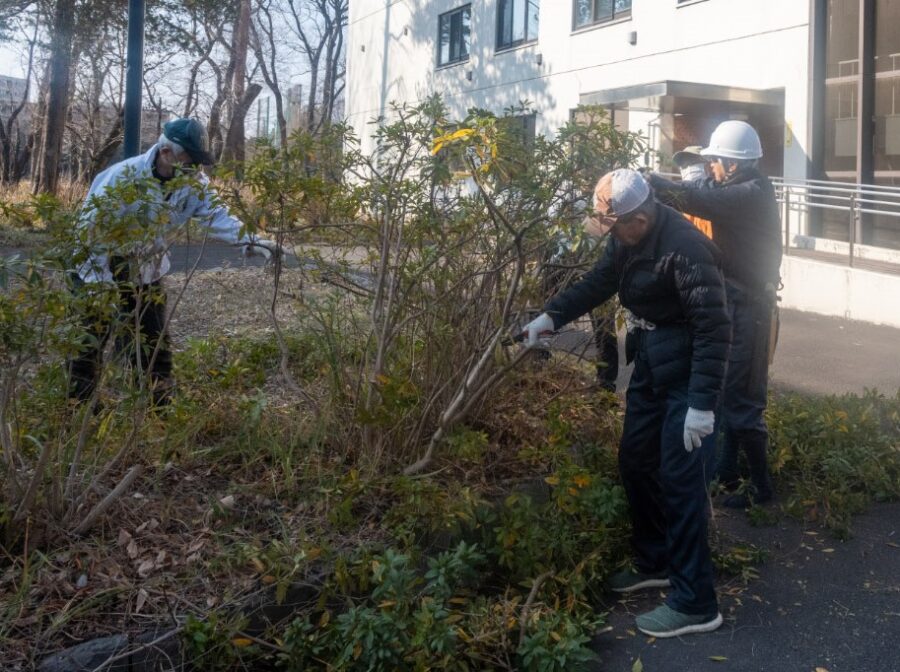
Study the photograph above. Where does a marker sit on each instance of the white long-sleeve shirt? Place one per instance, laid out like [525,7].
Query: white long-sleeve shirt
[167,211]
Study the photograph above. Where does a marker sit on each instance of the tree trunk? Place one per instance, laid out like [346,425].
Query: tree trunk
[237,123]
[38,122]
[235,140]
[108,147]
[313,88]
[223,94]
[57,97]
[23,156]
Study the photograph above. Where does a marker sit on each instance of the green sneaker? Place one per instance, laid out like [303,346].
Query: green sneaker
[629,580]
[666,622]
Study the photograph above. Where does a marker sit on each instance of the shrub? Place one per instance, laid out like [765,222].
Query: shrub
[835,455]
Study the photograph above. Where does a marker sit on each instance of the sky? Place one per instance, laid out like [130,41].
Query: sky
[12,57]
[10,62]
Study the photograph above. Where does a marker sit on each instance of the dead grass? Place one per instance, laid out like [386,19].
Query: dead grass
[69,192]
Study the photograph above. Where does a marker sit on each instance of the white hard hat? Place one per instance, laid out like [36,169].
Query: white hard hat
[734,140]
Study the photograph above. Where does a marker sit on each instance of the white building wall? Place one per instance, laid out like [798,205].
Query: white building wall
[760,45]
[840,291]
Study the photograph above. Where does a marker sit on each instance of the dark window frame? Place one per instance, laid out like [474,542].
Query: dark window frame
[462,9]
[512,44]
[615,16]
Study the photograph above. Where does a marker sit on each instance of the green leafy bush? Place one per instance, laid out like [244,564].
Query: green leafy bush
[836,455]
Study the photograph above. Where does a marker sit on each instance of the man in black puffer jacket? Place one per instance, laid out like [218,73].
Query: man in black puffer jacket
[740,203]
[667,275]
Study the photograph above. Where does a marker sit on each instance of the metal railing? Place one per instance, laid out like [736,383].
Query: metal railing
[858,202]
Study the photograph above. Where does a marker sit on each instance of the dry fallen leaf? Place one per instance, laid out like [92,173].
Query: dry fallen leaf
[718,659]
[241,642]
[140,601]
[638,666]
[821,669]
[145,568]
[227,502]
[124,537]
[133,550]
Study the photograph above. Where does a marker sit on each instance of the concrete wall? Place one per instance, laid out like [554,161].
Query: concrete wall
[760,45]
[827,289]
[869,252]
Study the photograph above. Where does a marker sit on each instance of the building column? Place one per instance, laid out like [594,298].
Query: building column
[815,141]
[865,135]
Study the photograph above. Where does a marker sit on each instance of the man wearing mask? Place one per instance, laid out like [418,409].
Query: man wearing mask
[693,168]
[740,203]
[666,273]
[134,264]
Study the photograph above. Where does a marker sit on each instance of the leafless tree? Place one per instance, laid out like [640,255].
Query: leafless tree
[265,45]
[14,140]
[57,100]
[319,26]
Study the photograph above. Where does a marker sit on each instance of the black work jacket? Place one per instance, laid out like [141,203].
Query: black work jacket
[745,222]
[673,279]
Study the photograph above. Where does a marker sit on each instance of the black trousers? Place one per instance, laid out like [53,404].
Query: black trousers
[746,381]
[666,490]
[603,321]
[138,327]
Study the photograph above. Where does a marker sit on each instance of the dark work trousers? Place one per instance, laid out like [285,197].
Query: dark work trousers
[143,306]
[746,380]
[666,490]
[603,321]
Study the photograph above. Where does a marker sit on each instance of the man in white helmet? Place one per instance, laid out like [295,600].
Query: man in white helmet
[740,203]
[667,274]
[125,240]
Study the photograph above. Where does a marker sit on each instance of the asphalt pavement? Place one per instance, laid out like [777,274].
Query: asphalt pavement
[815,355]
[818,604]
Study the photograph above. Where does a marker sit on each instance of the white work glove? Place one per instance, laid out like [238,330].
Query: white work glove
[542,324]
[697,424]
[268,249]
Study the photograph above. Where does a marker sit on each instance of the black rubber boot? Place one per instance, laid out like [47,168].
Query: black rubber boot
[761,491]
[727,471]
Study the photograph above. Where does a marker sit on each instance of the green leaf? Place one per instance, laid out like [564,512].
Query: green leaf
[638,666]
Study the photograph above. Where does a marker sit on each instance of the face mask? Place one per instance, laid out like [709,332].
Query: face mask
[694,172]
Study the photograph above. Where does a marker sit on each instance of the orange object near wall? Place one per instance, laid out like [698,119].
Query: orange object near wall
[703,224]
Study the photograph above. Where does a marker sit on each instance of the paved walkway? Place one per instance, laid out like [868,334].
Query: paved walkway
[818,603]
[815,355]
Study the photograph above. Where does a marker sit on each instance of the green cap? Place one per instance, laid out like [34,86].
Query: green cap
[191,135]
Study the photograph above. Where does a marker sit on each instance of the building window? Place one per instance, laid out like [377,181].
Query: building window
[517,22]
[841,87]
[589,12]
[454,33]
[522,129]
